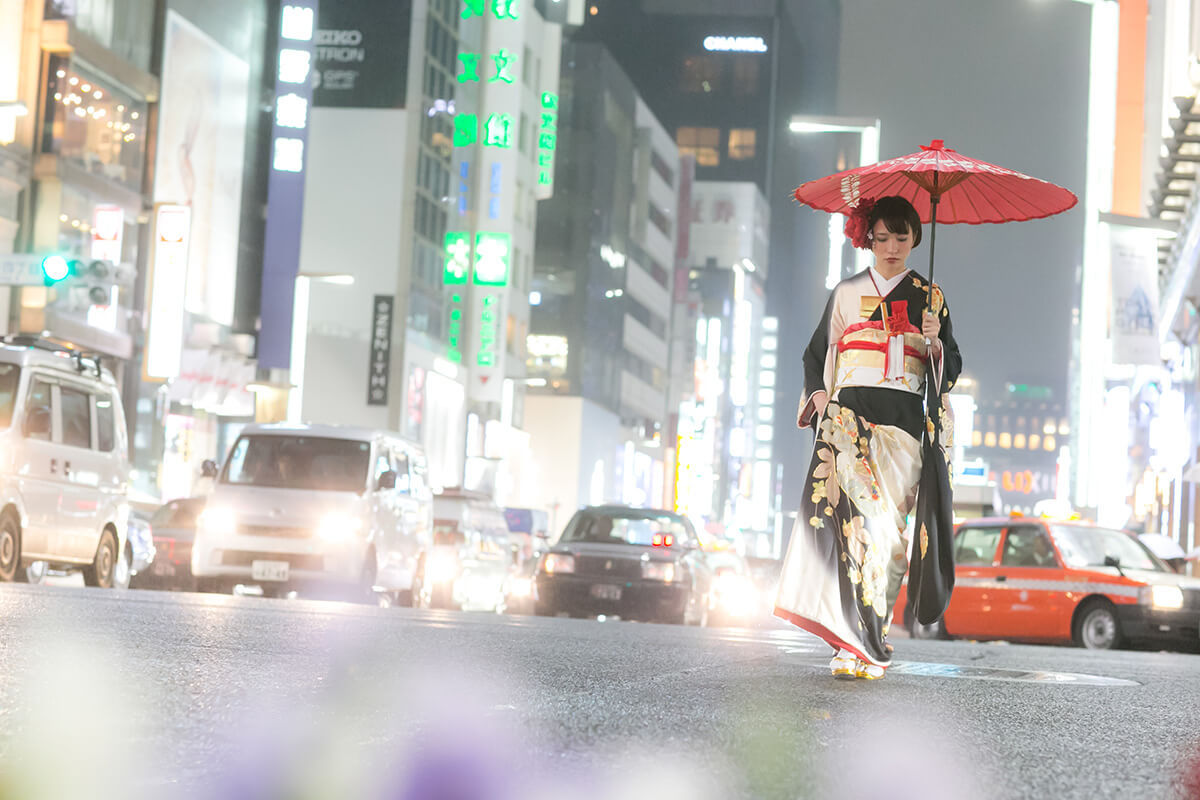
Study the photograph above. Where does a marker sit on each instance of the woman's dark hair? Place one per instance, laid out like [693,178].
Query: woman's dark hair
[898,215]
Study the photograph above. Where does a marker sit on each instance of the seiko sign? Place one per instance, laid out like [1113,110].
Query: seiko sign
[736,44]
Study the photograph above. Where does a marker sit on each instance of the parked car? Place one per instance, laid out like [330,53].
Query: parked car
[634,563]
[471,554]
[173,526]
[320,509]
[1037,580]
[64,469]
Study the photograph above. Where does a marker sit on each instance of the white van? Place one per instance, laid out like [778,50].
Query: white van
[64,465]
[316,507]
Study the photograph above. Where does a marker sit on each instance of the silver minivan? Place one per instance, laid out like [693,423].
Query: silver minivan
[64,465]
[316,508]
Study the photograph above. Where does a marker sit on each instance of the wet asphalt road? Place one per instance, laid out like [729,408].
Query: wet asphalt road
[148,694]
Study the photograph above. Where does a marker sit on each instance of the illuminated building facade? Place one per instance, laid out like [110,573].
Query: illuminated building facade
[426,162]
[606,260]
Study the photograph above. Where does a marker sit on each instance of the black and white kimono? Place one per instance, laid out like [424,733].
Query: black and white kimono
[876,445]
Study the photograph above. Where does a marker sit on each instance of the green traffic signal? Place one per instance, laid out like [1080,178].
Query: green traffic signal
[55,268]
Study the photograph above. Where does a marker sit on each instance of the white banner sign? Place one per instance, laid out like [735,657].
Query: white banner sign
[1134,322]
[168,290]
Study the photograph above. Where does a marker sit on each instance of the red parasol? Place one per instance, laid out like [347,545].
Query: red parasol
[944,186]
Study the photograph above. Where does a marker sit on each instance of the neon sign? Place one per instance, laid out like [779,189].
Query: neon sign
[735,44]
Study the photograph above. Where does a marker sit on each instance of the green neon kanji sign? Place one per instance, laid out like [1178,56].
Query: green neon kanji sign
[547,139]
[504,61]
[470,71]
[454,329]
[489,330]
[501,9]
[458,257]
[497,131]
[466,130]
[491,259]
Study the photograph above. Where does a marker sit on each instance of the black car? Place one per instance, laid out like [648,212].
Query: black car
[173,527]
[633,563]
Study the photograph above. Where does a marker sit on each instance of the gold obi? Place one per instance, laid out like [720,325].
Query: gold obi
[865,355]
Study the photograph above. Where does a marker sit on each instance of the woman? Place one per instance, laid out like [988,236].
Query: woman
[881,338]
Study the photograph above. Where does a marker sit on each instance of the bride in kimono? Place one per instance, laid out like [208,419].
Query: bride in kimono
[865,373]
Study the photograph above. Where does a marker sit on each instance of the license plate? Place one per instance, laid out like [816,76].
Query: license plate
[269,570]
[606,591]
[165,568]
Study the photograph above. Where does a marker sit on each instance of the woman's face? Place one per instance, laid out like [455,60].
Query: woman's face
[891,249]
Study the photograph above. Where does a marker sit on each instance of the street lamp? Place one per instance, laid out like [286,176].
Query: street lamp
[868,153]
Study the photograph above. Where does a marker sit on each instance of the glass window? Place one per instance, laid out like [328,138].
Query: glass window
[76,417]
[299,462]
[91,122]
[382,464]
[660,220]
[626,527]
[10,379]
[1028,547]
[39,405]
[742,143]
[745,75]
[105,422]
[701,74]
[703,143]
[976,546]
[400,465]
[659,165]
[1088,547]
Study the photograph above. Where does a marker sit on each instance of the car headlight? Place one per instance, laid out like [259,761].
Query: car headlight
[1163,596]
[217,520]
[555,563]
[441,566]
[337,526]
[734,592]
[658,570]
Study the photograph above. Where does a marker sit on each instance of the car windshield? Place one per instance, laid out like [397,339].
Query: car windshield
[10,378]
[1088,547]
[621,527]
[299,462]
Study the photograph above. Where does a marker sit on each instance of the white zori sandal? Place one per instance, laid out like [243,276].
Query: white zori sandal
[843,665]
[869,672]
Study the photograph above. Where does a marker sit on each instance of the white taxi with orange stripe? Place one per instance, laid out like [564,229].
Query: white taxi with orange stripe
[1038,580]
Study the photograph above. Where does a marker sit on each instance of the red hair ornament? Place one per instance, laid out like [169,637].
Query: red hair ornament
[856,224]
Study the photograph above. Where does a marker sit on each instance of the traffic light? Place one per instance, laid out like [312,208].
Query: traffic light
[57,268]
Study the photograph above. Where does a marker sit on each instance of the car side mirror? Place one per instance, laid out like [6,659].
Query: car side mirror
[209,468]
[37,422]
[387,480]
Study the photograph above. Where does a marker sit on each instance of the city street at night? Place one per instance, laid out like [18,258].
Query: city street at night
[556,399]
[186,695]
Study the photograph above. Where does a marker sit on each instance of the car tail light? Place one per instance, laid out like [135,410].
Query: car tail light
[662,540]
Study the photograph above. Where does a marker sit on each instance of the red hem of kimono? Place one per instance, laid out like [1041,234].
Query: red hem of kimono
[817,629]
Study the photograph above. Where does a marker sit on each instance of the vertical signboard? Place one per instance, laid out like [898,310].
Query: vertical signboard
[285,183]
[108,225]
[1134,297]
[381,349]
[546,144]
[168,287]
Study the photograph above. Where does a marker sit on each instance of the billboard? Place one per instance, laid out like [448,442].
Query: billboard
[200,158]
[361,49]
